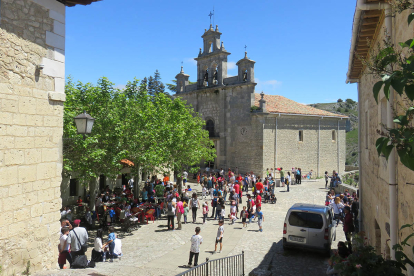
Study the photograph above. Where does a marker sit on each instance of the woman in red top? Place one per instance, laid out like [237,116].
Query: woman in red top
[259,186]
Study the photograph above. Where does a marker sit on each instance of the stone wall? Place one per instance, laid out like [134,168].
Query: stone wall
[304,154]
[247,140]
[31,125]
[374,169]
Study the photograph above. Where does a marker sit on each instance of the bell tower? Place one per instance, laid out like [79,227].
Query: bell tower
[211,60]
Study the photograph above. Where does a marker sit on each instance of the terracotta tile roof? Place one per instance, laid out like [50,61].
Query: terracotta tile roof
[280,104]
[71,3]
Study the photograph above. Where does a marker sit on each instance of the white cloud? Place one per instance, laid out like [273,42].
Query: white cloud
[231,65]
[120,86]
[267,85]
[190,60]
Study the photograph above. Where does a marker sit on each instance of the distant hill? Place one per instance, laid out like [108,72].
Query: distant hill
[348,108]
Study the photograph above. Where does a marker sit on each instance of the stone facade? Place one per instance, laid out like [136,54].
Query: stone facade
[374,169]
[31,125]
[247,139]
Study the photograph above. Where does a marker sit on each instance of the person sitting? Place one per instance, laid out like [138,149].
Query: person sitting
[273,198]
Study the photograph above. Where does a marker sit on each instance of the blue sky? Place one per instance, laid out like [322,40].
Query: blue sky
[301,48]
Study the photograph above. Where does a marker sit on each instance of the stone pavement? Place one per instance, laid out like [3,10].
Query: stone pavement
[152,250]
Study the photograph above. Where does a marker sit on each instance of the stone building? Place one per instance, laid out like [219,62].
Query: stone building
[32,83]
[386,188]
[256,131]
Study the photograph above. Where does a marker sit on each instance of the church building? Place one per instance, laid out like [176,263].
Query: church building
[254,131]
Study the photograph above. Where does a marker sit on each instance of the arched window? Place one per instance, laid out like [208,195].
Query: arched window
[210,128]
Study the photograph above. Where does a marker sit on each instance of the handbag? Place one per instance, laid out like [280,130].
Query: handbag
[84,247]
[81,261]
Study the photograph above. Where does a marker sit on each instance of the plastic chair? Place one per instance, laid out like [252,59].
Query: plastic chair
[150,215]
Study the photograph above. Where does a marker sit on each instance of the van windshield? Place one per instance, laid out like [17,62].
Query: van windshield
[308,220]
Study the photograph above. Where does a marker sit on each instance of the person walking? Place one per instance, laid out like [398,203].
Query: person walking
[288,178]
[282,177]
[196,241]
[219,238]
[348,226]
[180,212]
[326,179]
[171,213]
[260,218]
[194,205]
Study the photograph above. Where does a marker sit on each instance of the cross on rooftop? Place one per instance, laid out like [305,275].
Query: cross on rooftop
[211,14]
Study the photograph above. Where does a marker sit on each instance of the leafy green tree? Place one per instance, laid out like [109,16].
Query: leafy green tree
[151,131]
[395,66]
[101,151]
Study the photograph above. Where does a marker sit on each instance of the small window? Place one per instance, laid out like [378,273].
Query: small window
[333,135]
[73,187]
[297,219]
[300,135]
[314,221]
[308,220]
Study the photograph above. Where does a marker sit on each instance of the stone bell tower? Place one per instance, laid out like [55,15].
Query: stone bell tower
[211,60]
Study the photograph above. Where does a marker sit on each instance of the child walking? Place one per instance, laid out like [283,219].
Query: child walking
[63,248]
[260,218]
[186,209]
[205,212]
[204,192]
[243,215]
[196,240]
[219,239]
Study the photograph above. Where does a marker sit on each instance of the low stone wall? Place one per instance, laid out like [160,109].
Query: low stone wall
[351,168]
[342,187]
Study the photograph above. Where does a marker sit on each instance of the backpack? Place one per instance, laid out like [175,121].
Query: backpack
[194,202]
[169,206]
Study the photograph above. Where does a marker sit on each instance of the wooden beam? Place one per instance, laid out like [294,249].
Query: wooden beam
[373,13]
[370,21]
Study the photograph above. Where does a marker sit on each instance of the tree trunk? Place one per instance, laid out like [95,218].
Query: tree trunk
[179,184]
[137,183]
[93,185]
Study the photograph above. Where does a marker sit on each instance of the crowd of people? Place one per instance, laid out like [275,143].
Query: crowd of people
[220,198]
[345,208]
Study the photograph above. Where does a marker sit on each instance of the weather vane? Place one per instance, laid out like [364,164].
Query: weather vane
[245,48]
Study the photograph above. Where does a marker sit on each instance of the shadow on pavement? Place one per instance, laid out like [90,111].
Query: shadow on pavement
[290,262]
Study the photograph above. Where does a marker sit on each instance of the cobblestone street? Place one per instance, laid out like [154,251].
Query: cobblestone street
[152,250]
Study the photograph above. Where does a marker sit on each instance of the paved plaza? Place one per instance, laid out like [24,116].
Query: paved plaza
[152,250]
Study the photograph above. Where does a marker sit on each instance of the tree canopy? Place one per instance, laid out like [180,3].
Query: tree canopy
[152,131]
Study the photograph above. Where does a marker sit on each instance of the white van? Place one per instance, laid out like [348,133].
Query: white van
[309,226]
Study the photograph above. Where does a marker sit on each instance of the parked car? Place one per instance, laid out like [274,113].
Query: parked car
[309,226]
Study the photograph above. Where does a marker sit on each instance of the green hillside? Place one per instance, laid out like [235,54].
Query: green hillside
[348,108]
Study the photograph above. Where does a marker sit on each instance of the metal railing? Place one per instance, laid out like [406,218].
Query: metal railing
[227,266]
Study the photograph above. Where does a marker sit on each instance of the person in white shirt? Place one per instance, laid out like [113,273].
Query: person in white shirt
[196,240]
[97,252]
[64,248]
[118,248]
[131,183]
[204,192]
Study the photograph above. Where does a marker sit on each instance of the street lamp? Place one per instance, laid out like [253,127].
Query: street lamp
[84,123]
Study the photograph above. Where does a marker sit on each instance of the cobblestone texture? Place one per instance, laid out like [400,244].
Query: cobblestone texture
[152,250]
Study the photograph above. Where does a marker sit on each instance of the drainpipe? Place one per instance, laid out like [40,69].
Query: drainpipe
[392,183]
[359,161]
